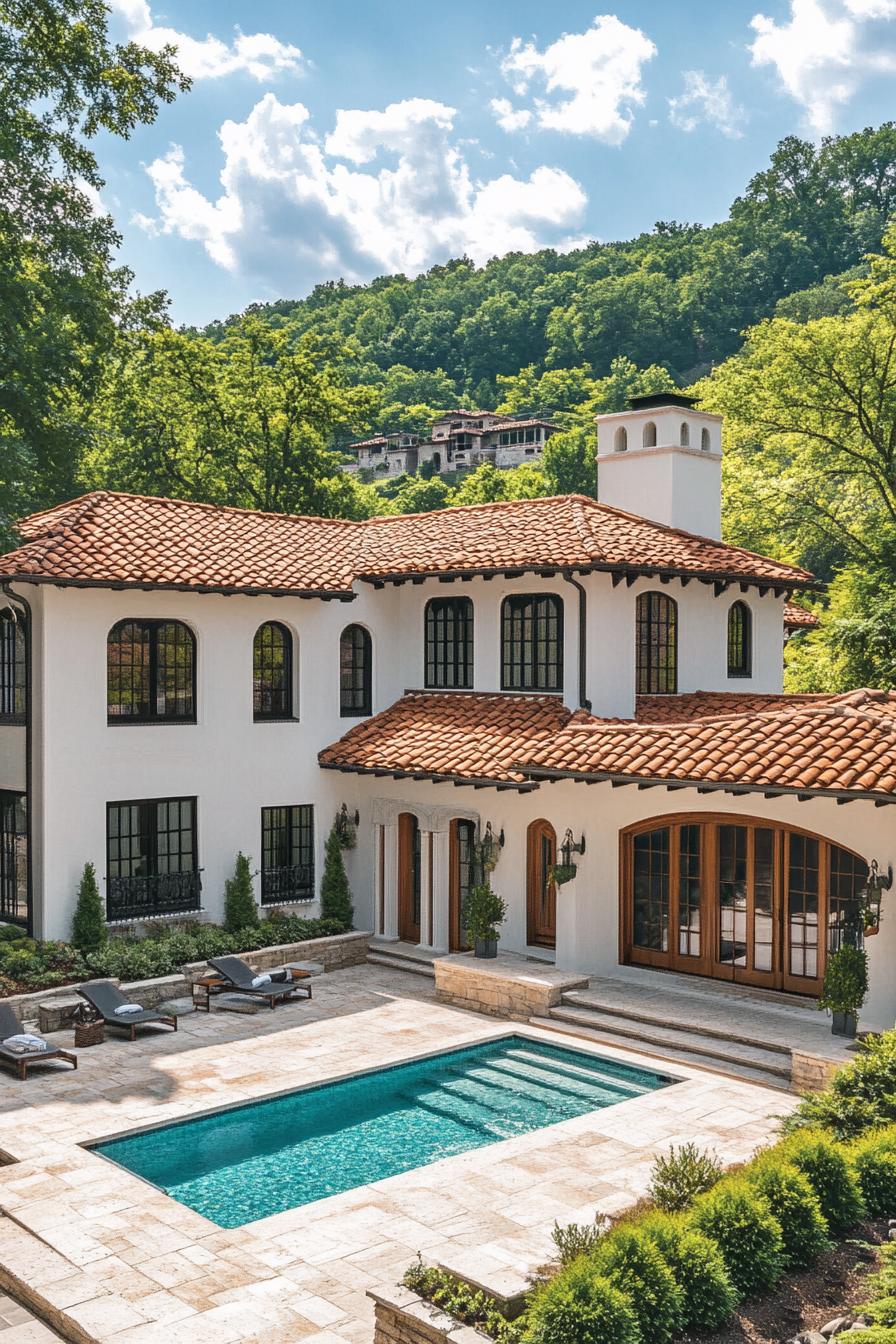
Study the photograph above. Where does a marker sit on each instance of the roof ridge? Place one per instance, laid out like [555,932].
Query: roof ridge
[496,504]
[97,496]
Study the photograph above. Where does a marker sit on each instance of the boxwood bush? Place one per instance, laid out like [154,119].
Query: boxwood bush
[829,1173]
[861,1095]
[794,1203]
[738,1219]
[874,1160]
[580,1306]
[635,1264]
[708,1296]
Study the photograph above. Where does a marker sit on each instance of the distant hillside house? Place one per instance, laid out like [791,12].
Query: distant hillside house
[459,441]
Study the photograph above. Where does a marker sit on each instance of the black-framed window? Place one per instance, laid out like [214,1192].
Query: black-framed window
[532,642]
[355,672]
[152,865]
[287,854]
[656,651]
[449,643]
[12,668]
[13,857]
[272,672]
[151,672]
[740,640]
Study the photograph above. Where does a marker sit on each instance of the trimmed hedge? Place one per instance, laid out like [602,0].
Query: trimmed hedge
[634,1263]
[829,1173]
[579,1306]
[737,1218]
[794,1203]
[708,1295]
[874,1160]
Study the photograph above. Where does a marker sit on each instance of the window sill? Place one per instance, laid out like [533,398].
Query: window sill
[275,718]
[355,713]
[151,723]
[282,905]
[12,720]
[740,676]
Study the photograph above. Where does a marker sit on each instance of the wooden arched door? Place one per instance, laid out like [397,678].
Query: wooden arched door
[541,893]
[409,885]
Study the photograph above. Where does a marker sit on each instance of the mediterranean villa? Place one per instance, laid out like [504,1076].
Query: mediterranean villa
[594,684]
[460,441]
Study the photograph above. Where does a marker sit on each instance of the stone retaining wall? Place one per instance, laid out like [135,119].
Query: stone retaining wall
[404,1318]
[811,1073]
[507,986]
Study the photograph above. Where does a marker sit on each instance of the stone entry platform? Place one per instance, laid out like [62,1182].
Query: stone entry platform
[507,986]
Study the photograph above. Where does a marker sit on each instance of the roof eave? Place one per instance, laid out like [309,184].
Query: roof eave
[225,590]
[708,785]
[432,776]
[779,585]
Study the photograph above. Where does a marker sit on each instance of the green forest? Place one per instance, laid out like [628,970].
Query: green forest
[782,317]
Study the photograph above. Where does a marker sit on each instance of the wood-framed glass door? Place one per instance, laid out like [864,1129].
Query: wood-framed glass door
[409,878]
[667,907]
[748,904]
[460,880]
[541,892]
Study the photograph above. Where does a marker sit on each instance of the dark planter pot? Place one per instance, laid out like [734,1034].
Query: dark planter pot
[844,1024]
[485,947]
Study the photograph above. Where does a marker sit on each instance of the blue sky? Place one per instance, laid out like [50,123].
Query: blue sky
[355,139]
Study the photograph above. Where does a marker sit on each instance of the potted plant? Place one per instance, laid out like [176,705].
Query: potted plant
[485,911]
[844,989]
[562,873]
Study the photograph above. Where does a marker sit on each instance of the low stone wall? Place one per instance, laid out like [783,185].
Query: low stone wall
[507,986]
[334,954]
[811,1073]
[404,1318]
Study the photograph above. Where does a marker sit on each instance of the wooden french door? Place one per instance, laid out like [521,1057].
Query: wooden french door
[460,881]
[541,893]
[409,873]
[735,899]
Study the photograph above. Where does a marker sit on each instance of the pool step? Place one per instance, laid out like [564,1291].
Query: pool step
[401,957]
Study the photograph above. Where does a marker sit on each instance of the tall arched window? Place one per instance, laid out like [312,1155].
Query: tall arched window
[12,668]
[704,439]
[620,440]
[449,643]
[355,672]
[656,647]
[740,640]
[532,642]
[684,434]
[151,672]
[272,672]
[648,438]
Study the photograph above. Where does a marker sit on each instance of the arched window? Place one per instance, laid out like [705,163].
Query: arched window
[704,439]
[740,640]
[656,649]
[532,642]
[151,672]
[272,672]
[355,672]
[620,440]
[12,668]
[449,643]
[684,435]
[649,436]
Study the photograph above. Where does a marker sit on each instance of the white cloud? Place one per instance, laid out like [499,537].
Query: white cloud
[825,51]
[591,80]
[385,191]
[259,54]
[706,101]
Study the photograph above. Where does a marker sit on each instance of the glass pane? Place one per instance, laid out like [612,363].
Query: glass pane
[651,890]
[849,874]
[689,872]
[802,905]
[733,895]
[763,899]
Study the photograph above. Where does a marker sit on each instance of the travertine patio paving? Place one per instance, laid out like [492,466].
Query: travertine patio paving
[122,1261]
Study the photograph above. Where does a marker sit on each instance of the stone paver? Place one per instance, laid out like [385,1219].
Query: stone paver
[123,1262]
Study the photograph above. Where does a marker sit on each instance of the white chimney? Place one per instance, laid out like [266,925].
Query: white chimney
[662,459]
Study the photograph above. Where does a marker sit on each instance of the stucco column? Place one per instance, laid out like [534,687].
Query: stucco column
[390,880]
[440,896]
[426,888]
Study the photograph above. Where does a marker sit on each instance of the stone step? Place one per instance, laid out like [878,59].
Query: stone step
[592,1001]
[398,962]
[678,1043]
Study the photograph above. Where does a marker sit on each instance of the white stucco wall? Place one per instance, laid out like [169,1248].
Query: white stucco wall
[12,757]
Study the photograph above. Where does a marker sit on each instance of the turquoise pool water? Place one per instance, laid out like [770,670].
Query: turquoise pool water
[250,1162]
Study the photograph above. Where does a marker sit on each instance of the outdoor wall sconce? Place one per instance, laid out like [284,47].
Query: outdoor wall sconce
[346,827]
[345,815]
[489,849]
[570,847]
[876,885]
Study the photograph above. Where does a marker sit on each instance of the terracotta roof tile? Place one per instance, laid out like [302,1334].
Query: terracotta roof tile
[798,618]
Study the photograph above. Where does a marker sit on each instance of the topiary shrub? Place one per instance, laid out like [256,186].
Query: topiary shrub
[795,1204]
[680,1177]
[335,896]
[736,1217]
[240,910]
[831,1177]
[874,1160]
[861,1095]
[89,923]
[634,1263]
[579,1306]
[698,1268]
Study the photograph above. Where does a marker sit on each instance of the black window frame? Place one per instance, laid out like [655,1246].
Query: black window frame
[13,668]
[522,669]
[740,640]
[149,638]
[656,659]
[161,890]
[13,857]
[448,644]
[290,825]
[279,699]
[356,698]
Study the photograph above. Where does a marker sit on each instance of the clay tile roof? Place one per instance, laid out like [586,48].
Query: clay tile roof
[798,618]
[458,735]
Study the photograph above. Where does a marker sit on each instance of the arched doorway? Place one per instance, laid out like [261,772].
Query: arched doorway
[460,880]
[409,878]
[541,893]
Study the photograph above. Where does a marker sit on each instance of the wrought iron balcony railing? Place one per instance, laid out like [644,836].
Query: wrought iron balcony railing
[161,894]
[279,886]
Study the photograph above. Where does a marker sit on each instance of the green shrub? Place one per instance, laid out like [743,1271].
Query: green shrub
[634,1263]
[845,980]
[874,1159]
[240,910]
[698,1268]
[861,1095]
[883,1283]
[10,933]
[737,1218]
[875,1334]
[830,1175]
[89,923]
[678,1179]
[796,1206]
[575,1239]
[882,1311]
[579,1306]
[335,896]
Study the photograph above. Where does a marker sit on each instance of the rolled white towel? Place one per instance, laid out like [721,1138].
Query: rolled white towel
[259,980]
[125,1008]
[26,1039]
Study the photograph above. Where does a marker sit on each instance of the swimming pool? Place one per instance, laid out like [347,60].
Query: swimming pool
[251,1161]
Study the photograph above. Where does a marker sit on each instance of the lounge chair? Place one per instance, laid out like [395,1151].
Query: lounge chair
[11,1026]
[238,976]
[105,998]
